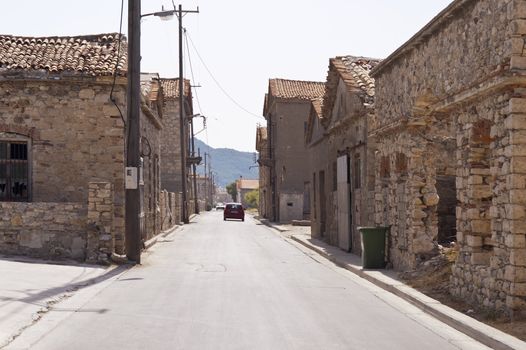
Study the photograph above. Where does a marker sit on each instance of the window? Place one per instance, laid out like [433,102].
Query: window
[14,171]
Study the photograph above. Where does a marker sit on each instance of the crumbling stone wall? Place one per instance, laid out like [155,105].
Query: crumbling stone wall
[465,68]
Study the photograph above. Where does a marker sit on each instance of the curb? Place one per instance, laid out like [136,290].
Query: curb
[269,224]
[149,243]
[479,331]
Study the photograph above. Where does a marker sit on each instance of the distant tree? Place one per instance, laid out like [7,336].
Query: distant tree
[231,189]
[252,198]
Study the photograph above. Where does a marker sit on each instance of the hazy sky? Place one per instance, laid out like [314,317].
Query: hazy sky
[243,44]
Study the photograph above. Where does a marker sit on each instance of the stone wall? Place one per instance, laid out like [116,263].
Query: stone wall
[80,231]
[347,136]
[100,242]
[151,129]
[45,230]
[441,86]
[171,148]
[170,209]
[75,134]
[470,47]
[406,195]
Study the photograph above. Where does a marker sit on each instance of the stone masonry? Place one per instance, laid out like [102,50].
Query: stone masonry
[100,242]
[45,229]
[451,104]
[55,98]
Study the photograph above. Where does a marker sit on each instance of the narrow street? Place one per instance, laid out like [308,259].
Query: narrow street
[239,285]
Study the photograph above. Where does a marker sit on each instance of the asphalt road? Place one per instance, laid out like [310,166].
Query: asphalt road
[238,285]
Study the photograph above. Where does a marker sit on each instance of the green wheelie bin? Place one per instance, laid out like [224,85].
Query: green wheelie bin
[373,246]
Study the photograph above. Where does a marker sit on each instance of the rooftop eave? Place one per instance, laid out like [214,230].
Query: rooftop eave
[422,35]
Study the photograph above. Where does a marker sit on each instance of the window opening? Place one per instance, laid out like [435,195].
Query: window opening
[14,171]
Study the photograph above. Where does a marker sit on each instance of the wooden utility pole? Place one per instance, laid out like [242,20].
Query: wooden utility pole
[132,137]
[182,115]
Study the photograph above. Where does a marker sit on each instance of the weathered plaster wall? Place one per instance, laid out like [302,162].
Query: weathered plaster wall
[289,153]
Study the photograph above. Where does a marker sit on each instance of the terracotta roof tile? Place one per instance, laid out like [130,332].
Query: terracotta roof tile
[171,88]
[296,89]
[355,72]
[94,55]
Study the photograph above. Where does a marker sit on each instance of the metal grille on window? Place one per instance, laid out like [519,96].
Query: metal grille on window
[14,171]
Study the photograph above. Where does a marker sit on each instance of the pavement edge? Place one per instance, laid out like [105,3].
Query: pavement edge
[479,331]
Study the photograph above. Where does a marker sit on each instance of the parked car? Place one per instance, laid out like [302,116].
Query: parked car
[220,206]
[234,211]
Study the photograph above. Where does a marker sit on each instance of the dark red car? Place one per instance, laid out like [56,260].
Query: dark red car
[234,211]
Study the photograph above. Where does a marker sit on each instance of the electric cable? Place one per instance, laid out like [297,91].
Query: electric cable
[112,98]
[219,84]
[191,69]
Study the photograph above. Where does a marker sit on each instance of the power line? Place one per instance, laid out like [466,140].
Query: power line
[191,69]
[112,98]
[205,126]
[218,84]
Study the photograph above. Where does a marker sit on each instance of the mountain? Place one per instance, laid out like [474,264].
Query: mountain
[228,164]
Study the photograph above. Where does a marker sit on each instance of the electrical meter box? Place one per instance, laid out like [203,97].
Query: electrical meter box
[131,178]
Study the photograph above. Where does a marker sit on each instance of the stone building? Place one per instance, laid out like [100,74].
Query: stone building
[286,109]
[347,115]
[451,106]
[315,185]
[151,129]
[171,145]
[205,192]
[62,146]
[264,208]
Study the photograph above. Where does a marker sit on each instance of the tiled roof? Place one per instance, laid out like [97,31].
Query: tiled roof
[296,89]
[94,55]
[355,72]
[171,88]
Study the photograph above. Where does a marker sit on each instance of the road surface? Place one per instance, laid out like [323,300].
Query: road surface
[238,285]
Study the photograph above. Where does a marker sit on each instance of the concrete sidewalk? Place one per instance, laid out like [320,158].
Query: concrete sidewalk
[29,287]
[388,280]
